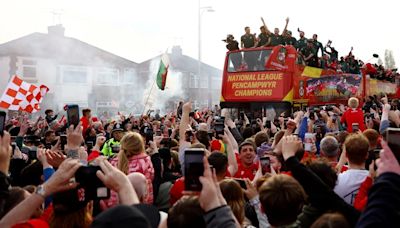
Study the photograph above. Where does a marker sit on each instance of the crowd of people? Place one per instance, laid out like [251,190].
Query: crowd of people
[311,52]
[327,166]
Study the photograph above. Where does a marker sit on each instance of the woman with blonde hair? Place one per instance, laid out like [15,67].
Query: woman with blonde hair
[133,158]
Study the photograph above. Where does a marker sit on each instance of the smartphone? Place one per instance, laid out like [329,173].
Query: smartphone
[73,115]
[63,141]
[219,129]
[376,153]
[265,165]
[241,182]
[89,146]
[158,133]
[32,153]
[94,188]
[392,137]
[194,168]
[268,124]
[13,145]
[242,115]
[2,122]
[355,127]
[149,135]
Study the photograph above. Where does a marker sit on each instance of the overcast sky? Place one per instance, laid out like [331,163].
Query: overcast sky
[139,30]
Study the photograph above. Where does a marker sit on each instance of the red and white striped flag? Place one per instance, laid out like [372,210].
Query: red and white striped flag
[22,96]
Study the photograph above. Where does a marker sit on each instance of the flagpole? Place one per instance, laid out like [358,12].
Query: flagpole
[147,100]
[151,89]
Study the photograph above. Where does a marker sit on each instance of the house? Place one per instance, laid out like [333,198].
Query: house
[76,72]
[200,82]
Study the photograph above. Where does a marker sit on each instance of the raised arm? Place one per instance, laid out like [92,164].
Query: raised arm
[58,182]
[265,26]
[232,163]
[285,29]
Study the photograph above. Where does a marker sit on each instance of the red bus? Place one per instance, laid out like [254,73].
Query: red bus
[264,78]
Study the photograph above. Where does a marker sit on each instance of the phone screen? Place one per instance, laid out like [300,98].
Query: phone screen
[2,122]
[265,165]
[89,145]
[393,140]
[355,127]
[268,124]
[73,115]
[63,141]
[194,168]
[94,188]
[13,145]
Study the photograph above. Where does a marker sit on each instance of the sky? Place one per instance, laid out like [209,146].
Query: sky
[140,30]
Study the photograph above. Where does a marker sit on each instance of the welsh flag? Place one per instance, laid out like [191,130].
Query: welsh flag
[163,71]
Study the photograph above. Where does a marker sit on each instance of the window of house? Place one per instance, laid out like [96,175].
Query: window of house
[216,83]
[204,82]
[29,69]
[204,104]
[195,104]
[107,76]
[194,81]
[129,76]
[72,74]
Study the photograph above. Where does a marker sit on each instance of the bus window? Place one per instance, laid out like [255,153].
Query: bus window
[248,60]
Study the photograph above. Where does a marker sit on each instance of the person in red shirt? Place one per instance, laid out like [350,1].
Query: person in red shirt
[247,168]
[86,120]
[353,115]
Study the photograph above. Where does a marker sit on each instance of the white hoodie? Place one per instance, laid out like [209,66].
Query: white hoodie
[348,184]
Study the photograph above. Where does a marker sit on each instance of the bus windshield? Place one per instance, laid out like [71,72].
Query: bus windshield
[248,60]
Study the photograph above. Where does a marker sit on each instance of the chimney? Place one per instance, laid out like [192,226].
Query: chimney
[176,51]
[56,30]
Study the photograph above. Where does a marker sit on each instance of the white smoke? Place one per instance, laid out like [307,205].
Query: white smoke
[153,97]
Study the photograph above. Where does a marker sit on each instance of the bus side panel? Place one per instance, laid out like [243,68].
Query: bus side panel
[260,86]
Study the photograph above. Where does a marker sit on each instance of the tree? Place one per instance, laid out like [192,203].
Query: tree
[389,59]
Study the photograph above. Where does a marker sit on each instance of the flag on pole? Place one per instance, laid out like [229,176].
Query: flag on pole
[163,71]
[22,96]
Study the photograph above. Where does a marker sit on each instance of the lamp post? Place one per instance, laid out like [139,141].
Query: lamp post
[201,10]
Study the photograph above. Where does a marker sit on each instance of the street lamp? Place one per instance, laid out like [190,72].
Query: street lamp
[201,10]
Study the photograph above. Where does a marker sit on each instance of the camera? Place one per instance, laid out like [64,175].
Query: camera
[328,108]
[94,187]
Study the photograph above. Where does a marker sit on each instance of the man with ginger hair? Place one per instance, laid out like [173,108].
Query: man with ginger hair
[349,182]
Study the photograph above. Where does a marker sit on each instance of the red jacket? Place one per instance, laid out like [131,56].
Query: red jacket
[353,116]
[362,196]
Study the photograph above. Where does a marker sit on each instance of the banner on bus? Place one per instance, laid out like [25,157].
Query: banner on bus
[334,86]
[255,86]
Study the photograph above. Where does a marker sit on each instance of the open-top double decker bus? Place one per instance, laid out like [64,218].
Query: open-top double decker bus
[258,79]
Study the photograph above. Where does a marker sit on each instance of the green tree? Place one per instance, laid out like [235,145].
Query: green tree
[389,59]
